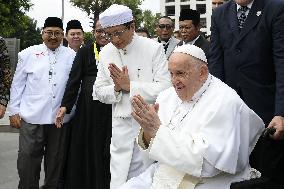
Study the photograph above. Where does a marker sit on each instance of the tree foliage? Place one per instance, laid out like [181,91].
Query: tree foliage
[142,18]
[89,38]
[15,23]
[94,7]
[149,21]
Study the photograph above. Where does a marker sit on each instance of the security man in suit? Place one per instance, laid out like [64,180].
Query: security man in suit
[164,31]
[247,52]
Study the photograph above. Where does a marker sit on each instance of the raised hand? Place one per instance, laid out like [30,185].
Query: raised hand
[146,115]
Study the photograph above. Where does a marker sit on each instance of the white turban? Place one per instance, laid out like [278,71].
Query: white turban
[192,50]
[115,15]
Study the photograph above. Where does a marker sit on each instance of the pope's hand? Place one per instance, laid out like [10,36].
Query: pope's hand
[60,116]
[15,121]
[2,111]
[146,115]
[278,123]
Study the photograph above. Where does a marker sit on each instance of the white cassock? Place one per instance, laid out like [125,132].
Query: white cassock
[148,73]
[36,94]
[201,144]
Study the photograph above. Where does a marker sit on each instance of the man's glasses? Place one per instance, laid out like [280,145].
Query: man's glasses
[99,31]
[117,34]
[51,34]
[167,26]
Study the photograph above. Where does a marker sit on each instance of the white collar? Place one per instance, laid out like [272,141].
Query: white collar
[191,42]
[197,95]
[52,51]
[128,47]
[249,5]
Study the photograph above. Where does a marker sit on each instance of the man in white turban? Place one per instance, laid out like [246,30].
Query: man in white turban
[129,65]
[199,133]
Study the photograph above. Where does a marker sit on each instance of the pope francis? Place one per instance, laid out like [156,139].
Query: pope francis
[199,133]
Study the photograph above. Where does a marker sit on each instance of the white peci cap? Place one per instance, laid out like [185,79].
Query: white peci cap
[115,15]
[192,50]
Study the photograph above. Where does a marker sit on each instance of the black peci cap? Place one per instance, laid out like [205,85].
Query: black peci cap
[74,24]
[53,22]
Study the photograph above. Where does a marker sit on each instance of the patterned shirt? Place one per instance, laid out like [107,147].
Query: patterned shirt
[5,73]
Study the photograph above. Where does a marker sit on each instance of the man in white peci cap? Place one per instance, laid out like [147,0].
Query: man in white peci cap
[128,66]
[199,133]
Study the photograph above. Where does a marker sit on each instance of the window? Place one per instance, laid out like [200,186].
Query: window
[170,10]
[184,7]
[203,22]
[201,8]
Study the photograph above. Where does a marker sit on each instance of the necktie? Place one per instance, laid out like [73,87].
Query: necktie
[242,18]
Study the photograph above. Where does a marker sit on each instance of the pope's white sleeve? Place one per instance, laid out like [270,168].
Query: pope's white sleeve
[179,150]
[17,87]
[161,78]
[103,89]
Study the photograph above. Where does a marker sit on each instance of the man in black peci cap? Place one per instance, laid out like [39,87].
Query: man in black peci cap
[36,92]
[74,34]
[189,27]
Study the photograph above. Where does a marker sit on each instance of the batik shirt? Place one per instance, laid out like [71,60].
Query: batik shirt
[5,73]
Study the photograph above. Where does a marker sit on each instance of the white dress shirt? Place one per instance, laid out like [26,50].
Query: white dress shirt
[39,83]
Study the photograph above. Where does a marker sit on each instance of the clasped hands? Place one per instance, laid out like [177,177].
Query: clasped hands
[120,77]
[147,116]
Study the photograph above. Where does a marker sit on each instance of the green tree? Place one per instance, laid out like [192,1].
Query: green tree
[89,38]
[12,12]
[94,7]
[28,33]
[149,21]
[15,23]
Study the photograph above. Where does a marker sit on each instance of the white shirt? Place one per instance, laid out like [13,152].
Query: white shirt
[39,83]
[147,69]
[247,12]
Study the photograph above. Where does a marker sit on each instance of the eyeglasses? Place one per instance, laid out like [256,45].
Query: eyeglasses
[55,34]
[117,34]
[181,27]
[99,31]
[167,26]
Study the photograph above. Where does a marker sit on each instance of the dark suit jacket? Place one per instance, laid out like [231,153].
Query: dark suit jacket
[202,43]
[251,61]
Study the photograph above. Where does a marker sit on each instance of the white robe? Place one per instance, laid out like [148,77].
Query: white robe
[211,145]
[33,96]
[148,73]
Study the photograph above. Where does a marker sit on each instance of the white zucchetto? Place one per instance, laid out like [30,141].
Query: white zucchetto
[193,51]
[115,15]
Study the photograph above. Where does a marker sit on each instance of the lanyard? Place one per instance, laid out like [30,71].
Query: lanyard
[96,52]
[52,65]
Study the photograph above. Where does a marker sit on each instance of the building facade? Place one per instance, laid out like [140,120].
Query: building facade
[172,9]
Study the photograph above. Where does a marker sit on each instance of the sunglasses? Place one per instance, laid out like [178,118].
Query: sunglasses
[163,26]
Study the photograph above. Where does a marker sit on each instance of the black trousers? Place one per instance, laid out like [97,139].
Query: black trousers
[35,143]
